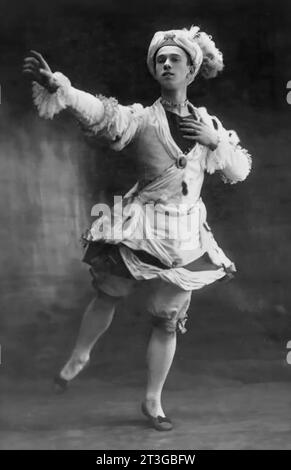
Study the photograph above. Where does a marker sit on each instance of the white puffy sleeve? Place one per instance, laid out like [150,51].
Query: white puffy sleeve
[233,161]
[98,116]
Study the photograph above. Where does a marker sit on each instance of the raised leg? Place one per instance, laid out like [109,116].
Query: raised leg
[96,320]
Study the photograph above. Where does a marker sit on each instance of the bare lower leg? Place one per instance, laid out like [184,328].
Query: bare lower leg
[97,318]
[160,354]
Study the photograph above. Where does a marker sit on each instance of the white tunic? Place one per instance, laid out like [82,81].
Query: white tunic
[158,218]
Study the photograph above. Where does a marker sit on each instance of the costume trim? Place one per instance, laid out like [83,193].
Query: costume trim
[232,180]
[49,104]
[107,124]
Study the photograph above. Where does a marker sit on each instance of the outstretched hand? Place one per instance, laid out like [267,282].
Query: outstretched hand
[200,132]
[40,71]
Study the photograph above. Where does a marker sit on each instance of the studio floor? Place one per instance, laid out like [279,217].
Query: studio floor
[94,414]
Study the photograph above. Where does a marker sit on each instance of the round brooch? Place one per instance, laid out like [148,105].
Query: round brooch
[181,162]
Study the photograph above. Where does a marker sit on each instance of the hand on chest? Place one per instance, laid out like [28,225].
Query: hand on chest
[175,123]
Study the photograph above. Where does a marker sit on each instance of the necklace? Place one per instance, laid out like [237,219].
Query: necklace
[178,106]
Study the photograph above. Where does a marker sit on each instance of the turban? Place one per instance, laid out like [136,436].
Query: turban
[204,55]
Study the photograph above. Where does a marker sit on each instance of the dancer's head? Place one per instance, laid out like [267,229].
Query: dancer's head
[184,53]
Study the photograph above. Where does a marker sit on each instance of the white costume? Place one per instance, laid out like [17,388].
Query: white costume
[146,133]
[158,236]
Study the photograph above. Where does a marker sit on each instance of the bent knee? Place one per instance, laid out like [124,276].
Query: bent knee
[166,325]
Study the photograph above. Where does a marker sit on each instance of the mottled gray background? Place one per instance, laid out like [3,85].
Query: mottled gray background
[50,178]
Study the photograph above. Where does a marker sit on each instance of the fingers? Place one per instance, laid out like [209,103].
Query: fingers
[189,131]
[190,137]
[31,61]
[189,119]
[44,64]
[190,125]
[45,73]
[37,67]
[31,66]
[29,70]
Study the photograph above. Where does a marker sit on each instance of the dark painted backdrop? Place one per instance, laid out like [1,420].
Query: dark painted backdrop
[50,177]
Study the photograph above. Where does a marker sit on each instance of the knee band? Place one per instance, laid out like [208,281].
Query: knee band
[165,324]
[170,326]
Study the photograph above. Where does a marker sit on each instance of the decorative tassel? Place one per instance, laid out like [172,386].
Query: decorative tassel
[184,188]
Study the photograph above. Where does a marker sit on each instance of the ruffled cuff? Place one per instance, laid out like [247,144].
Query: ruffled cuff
[242,170]
[107,126]
[233,161]
[49,104]
[217,159]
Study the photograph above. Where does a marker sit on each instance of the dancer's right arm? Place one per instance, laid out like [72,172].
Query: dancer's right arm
[52,92]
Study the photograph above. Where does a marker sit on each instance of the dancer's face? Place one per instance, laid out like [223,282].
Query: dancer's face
[172,67]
